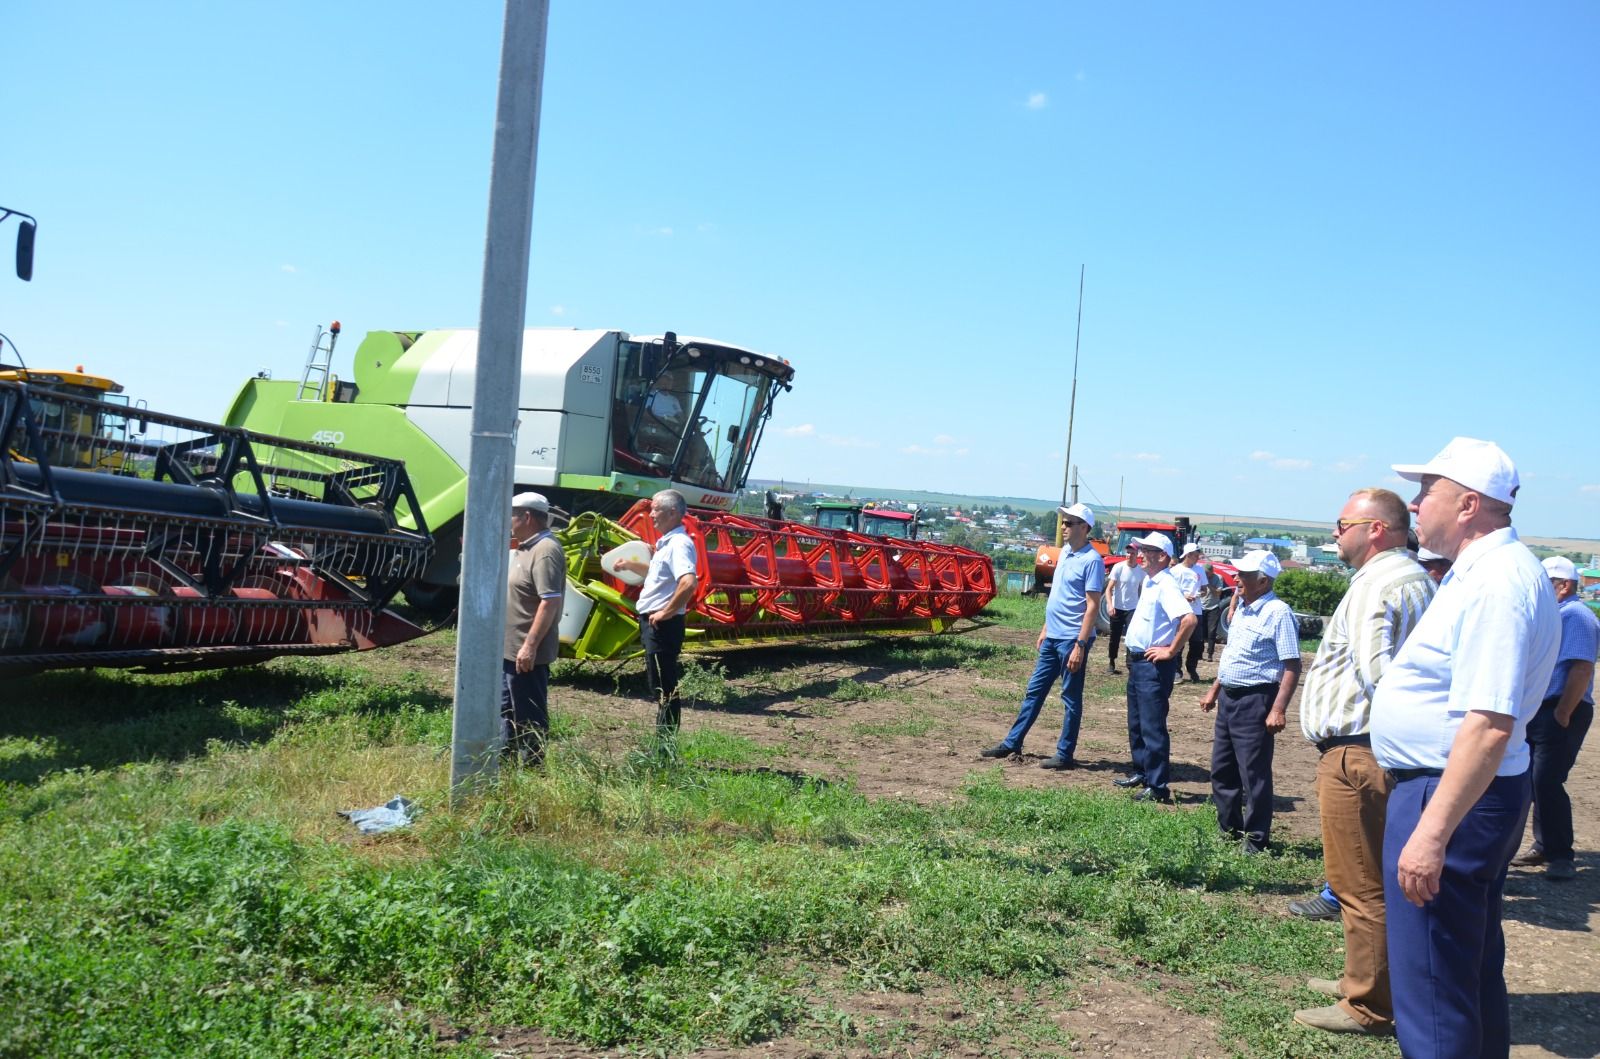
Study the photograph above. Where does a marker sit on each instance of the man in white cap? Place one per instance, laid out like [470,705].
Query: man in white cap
[1256,678]
[1191,577]
[1064,641]
[1161,623]
[1448,722]
[535,593]
[1555,735]
[1388,594]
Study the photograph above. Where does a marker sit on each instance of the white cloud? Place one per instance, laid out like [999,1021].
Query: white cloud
[287,268]
[961,452]
[558,310]
[944,439]
[1280,463]
[1589,488]
[1166,472]
[1080,76]
[804,430]
[280,323]
[1143,457]
[1038,101]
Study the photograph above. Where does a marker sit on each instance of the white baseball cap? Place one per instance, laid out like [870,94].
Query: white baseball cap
[1156,540]
[530,502]
[1425,556]
[1559,566]
[1481,466]
[1258,562]
[1079,511]
[1190,548]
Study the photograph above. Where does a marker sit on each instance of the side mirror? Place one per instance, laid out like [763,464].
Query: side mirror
[733,434]
[25,235]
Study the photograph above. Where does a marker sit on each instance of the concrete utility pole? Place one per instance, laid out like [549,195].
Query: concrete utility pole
[485,556]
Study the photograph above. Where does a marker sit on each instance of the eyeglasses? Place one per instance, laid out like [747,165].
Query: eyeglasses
[1074,522]
[1345,523]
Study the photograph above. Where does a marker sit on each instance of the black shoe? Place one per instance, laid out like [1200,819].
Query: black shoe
[1058,763]
[1317,907]
[1132,779]
[1114,669]
[1153,794]
[1194,678]
[1531,859]
[998,750]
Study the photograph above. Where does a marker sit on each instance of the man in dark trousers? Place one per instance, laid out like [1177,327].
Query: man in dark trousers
[1162,622]
[1256,678]
[537,586]
[1449,722]
[669,584]
[1555,735]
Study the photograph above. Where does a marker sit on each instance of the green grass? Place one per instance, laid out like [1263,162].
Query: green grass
[193,892]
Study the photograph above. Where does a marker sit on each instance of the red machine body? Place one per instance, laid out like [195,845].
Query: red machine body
[764,576]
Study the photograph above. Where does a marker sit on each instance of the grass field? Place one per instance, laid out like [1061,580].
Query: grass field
[176,881]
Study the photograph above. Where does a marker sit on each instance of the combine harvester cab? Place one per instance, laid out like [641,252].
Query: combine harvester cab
[763,581]
[605,418]
[129,538]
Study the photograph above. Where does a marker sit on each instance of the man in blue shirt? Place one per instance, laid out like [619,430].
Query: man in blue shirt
[1556,732]
[1256,678]
[1069,626]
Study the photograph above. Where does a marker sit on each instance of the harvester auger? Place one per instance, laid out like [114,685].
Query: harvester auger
[129,538]
[763,581]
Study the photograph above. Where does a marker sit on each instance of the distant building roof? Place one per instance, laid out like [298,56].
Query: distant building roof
[1272,542]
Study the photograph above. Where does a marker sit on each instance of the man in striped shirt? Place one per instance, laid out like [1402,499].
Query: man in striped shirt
[1386,597]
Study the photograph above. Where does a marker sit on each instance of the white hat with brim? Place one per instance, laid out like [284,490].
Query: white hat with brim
[1481,466]
[1258,562]
[1189,549]
[1561,568]
[1082,511]
[1425,556]
[530,502]
[1159,541]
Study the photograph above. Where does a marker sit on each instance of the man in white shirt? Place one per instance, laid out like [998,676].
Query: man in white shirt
[1161,623]
[669,586]
[1449,722]
[1192,580]
[1123,585]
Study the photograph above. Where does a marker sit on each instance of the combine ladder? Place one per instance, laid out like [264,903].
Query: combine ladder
[319,364]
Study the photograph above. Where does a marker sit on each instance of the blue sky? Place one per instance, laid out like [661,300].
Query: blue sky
[1319,240]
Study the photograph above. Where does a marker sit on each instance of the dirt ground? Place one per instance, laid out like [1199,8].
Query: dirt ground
[788,699]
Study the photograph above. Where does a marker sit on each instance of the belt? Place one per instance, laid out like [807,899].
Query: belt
[1325,745]
[1401,775]
[1249,688]
[1136,656]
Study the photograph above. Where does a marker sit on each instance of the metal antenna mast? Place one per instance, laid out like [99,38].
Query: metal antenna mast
[1072,409]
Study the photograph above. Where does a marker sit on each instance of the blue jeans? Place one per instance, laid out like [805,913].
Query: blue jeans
[1447,958]
[1149,694]
[1052,663]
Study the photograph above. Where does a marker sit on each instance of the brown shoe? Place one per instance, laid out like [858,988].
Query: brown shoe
[1333,987]
[1531,859]
[1335,1019]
